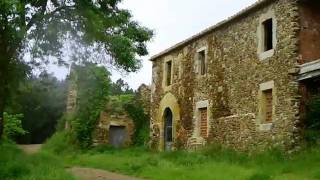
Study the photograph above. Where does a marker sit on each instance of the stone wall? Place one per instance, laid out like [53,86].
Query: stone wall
[144,95]
[101,133]
[231,84]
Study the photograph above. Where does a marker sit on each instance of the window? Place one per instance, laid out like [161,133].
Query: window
[267,105]
[203,122]
[168,73]
[202,62]
[268,34]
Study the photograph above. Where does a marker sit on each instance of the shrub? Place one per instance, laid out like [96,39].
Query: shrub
[13,125]
[92,85]
[141,122]
[260,176]
[60,143]
[312,124]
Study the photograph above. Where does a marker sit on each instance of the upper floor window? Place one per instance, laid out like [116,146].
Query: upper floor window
[268,34]
[168,69]
[202,62]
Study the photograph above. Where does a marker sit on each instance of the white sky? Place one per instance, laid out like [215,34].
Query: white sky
[172,21]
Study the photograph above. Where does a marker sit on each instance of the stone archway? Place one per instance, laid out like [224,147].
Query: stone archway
[168,102]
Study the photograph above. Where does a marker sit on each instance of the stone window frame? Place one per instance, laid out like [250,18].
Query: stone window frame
[164,81]
[201,105]
[263,125]
[262,54]
[198,66]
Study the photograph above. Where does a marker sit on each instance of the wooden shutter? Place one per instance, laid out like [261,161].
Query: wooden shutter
[203,122]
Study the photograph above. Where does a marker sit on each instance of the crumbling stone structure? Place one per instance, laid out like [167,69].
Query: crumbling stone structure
[114,126]
[144,95]
[240,83]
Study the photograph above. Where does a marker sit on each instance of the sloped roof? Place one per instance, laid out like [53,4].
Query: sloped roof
[249,9]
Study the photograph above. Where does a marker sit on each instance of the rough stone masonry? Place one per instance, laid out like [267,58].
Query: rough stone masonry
[238,83]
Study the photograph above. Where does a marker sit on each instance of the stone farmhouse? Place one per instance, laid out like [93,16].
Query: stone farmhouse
[242,83]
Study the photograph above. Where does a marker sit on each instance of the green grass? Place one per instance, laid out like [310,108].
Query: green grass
[212,163]
[14,164]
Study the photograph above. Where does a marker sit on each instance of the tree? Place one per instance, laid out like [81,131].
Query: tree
[120,87]
[42,101]
[47,30]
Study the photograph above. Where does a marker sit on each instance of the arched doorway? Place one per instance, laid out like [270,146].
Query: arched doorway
[168,129]
[168,117]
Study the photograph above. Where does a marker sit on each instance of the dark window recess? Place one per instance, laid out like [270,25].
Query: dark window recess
[202,62]
[268,35]
[168,126]
[168,78]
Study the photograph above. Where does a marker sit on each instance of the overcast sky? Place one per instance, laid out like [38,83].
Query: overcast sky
[172,21]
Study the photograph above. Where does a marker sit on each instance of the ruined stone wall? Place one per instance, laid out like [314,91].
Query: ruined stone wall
[231,84]
[107,119]
[144,95]
[310,31]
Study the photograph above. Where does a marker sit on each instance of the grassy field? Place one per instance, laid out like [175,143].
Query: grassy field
[213,163]
[14,164]
[210,163]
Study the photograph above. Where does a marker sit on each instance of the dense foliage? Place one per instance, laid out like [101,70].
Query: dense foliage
[42,101]
[53,31]
[312,124]
[13,126]
[141,122]
[92,85]
[120,87]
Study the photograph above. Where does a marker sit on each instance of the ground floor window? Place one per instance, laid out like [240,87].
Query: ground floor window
[203,122]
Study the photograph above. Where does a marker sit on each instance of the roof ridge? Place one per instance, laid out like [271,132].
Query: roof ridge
[211,28]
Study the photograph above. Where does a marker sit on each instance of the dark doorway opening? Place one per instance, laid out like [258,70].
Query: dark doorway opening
[310,109]
[117,136]
[168,130]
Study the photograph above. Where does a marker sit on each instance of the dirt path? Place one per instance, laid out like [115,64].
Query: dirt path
[96,174]
[30,148]
[81,173]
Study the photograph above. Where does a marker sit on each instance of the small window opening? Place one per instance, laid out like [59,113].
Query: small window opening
[169,71]
[202,62]
[267,95]
[268,35]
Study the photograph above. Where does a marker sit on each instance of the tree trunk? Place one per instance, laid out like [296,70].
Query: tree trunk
[1,117]
[3,89]
[4,68]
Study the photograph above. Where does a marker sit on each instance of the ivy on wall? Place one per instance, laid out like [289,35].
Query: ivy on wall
[93,84]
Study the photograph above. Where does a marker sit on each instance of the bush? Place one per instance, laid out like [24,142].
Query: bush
[60,143]
[141,122]
[92,85]
[260,176]
[312,124]
[13,125]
